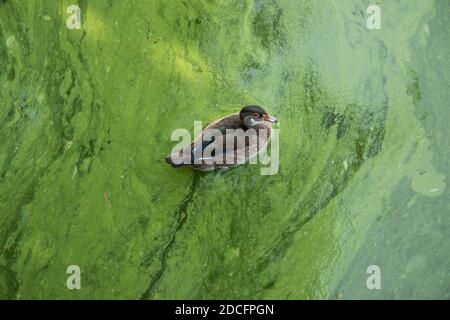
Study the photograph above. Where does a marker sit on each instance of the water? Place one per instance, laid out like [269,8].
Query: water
[86,117]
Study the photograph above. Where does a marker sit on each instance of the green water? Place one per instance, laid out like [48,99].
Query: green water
[86,117]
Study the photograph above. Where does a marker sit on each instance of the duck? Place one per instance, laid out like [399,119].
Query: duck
[221,151]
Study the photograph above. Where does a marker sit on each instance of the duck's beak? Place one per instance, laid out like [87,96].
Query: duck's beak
[270,118]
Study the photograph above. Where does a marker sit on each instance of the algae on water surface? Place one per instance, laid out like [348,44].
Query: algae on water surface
[86,117]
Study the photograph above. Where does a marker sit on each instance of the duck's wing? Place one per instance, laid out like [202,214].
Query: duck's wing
[198,145]
[232,121]
[251,141]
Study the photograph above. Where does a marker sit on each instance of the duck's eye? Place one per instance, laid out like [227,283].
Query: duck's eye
[256,115]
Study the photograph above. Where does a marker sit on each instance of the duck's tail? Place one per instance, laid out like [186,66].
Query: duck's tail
[170,161]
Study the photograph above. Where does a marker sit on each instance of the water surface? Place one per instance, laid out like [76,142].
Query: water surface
[86,117]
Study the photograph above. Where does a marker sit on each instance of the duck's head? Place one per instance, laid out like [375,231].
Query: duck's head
[252,116]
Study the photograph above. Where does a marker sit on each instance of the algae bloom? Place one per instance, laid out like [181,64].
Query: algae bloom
[91,91]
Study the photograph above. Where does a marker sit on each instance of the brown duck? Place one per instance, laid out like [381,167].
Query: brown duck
[216,147]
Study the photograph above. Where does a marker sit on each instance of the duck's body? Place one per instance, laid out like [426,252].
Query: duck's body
[254,132]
